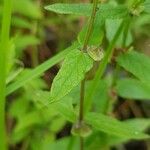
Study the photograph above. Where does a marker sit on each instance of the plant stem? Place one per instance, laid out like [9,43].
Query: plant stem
[34,52]
[81,143]
[87,37]
[82,90]
[126,31]
[3,55]
[34,48]
[102,68]
[91,23]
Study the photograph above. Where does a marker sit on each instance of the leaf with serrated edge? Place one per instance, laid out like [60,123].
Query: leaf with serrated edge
[73,70]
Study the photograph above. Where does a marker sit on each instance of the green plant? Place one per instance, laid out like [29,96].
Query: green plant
[4,54]
[99,69]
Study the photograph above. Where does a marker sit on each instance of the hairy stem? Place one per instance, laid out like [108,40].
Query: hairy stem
[82,90]
[102,68]
[3,56]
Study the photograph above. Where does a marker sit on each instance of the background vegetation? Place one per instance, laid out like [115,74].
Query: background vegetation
[33,39]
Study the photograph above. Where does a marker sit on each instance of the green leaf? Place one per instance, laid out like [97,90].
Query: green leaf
[34,117]
[21,22]
[22,41]
[12,75]
[73,70]
[42,116]
[65,143]
[63,107]
[114,24]
[104,10]
[76,9]
[28,120]
[147,6]
[113,127]
[47,139]
[109,11]
[57,124]
[100,97]
[133,89]
[39,70]
[136,63]
[17,137]
[10,56]
[140,124]
[27,8]
[140,25]
[19,108]
[96,35]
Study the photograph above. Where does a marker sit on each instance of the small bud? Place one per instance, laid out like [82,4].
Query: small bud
[95,53]
[137,11]
[81,129]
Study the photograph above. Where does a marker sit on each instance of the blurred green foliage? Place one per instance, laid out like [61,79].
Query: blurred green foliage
[35,32]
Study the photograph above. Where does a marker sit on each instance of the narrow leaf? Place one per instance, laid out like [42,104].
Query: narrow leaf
[77,9]
[27,8]
[104,10]
[39,70]
[112,126]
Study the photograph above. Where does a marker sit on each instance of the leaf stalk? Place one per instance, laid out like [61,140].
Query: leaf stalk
[82,89]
